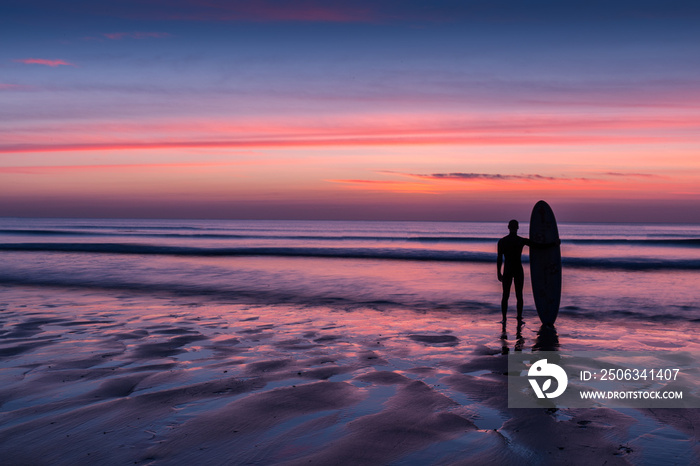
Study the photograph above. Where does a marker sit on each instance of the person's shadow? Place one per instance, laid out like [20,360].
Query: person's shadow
[547,339]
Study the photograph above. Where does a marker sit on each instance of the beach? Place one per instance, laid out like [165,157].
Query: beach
[278,233]
[191,356]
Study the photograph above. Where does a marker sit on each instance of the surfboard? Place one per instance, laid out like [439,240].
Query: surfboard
[545,263]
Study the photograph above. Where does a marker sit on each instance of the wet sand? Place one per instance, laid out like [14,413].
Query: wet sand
[124,378]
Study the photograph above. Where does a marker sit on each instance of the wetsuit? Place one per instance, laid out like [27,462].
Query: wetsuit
[511,248]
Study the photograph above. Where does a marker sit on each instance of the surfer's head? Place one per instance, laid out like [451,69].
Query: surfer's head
[513,225]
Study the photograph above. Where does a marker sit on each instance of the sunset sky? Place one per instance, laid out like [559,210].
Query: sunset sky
[382,110]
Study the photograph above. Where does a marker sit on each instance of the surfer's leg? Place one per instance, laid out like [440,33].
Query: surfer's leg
[519,280]
[507,280]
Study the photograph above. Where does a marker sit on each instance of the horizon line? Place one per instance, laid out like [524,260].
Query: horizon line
[247,219]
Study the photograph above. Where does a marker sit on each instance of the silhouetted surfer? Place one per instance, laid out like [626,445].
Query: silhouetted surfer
[510,248]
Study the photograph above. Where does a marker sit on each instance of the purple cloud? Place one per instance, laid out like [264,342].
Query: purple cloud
[136,35]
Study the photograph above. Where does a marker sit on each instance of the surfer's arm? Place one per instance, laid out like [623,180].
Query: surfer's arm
[499,262]
[536,245]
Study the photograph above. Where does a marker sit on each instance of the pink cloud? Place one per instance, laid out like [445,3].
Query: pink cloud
[136,35]
[633,175]
[54,169]
[381,129]
[43,61]
[434,184]
[273,10]
[138,167]
[12,87]
[353,131]
[481,176]
[466,177]
[330,142]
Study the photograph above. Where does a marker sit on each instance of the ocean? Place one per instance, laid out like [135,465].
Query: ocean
[296,342]
[648,272]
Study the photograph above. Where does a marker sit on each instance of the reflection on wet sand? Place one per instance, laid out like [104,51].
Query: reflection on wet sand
[547,339]
[519,339]
[131,379]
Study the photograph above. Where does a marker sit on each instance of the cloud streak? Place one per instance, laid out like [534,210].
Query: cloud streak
[55,169]
[463,182]
[136,35]
[460,182]
[483,176]
[388,11]
[13,87]
[269,11]
[43,61]
[344,132]
[460,176]
[632,175]
[358,141]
